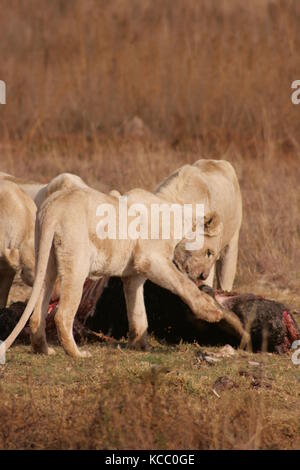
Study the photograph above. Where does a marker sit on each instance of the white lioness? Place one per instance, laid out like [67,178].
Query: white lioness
[17,219]
[213,183]
[17,222]
[68,246]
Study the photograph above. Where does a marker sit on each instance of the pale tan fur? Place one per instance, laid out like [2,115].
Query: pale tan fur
[17,219]
[69,247]
[213,183]
[59,183]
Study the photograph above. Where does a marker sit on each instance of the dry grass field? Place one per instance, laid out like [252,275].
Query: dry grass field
[164,399]
[209,78]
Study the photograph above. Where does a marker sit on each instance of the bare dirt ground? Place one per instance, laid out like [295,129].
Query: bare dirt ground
[205,79]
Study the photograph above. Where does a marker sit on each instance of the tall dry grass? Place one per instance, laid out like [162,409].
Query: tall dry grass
[209,78]
[215,70]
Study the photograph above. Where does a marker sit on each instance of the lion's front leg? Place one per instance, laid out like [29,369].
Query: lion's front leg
[136,312]
[210,280]
[226,265]
[162,271]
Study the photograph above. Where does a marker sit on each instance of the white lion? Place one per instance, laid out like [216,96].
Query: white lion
[17,219]
[213,183]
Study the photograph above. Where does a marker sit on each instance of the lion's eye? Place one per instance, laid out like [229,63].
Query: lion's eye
[209,253]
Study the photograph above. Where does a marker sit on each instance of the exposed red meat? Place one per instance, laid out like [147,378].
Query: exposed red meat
[291,330]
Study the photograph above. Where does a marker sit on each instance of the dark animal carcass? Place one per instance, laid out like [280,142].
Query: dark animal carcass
[270,323]
[9,317]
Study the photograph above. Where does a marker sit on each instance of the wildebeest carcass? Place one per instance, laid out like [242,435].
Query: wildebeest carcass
[271,324]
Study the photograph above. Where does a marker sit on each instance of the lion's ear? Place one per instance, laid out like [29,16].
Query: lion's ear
[212,224]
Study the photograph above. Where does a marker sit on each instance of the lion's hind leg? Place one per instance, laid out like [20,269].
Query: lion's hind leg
[38,318]
[72,281]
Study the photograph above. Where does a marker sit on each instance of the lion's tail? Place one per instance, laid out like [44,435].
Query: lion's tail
[45,244]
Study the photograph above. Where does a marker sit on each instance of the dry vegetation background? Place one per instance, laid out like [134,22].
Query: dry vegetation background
[209,78]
